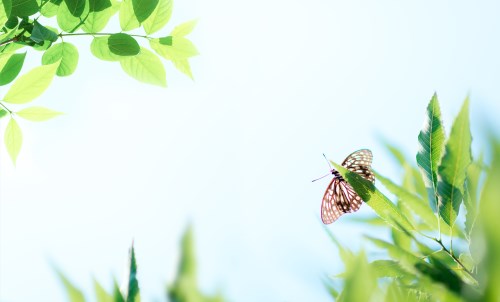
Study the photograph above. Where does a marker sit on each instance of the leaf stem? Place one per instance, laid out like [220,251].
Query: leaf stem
[450,253]
[10,111]
[99,34]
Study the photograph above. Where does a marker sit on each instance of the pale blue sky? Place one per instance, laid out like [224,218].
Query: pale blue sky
[277,84]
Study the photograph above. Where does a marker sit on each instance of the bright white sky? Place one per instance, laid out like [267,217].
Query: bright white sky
[277,84]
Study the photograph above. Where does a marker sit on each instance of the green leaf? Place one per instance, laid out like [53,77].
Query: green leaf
[117,294]
[183,66]
[64,52]
[132,285]
[123,45]
[360,281]
[388,268]
[128,20]
[75,7]
[2,113]
[40,33]
[100,49]
[101,294]
[50,8]
[66,21]
[143,8]
[453,168]
[12,22]
[159,17]
[24,8]
[74,294]
[431,143]
[5,11]
[405,258]
[31,85]
[180,48]
[10,66]
[440,273]
[96,21]
[37,114]
[99,5]
[145,67]
[376,200]
[474,172]
[184,29]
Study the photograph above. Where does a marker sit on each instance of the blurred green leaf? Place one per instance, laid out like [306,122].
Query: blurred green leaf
[184,29]
[128,20]
[388,268]
[117,294]
[101,294]
[75,7]
[360,280]
[405,258]
[13,139]
[123,45]
[471,193]
[145,67]
[100,49]
[345,253]
[439,272]
[453,168]
[40,33]
[132,284]
[2,113]
[24,8]
[64,52]
[159,17]
[10,66]
[431,143]
[331,290]
[37,114]
[74,294]
[143,8]
[376,200]
[31,85]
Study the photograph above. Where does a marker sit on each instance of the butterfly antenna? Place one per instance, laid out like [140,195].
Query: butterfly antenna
[321,177]
[327,161]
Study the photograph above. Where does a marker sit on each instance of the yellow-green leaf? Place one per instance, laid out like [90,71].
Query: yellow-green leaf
[184,29]
[13,139]
[37,114]
[159,17]
[145,67]
[65,52]
[31,85]
[180,48]
[128,20]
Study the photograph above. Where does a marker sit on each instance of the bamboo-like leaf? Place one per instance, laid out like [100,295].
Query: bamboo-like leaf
[360,280]
[405,258]
[13,139]
[37,114]
[376,200]
[74,294]
[453,168]
[431,142]
[131,290]
[101,294]
[389,268]
[30,85]
[471,193]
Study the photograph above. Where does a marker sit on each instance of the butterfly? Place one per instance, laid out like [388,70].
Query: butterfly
[340,197]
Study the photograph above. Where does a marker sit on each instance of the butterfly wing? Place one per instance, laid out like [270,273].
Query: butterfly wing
[339,198]
[360,162]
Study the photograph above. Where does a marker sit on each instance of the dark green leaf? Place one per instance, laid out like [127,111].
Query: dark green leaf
[159,17]
[132,290]
[123,45]
[453,168]
[24,8]
[431,142]
[166,40]
[100,49]
[143,8]
[75,7]
[117,294]
[5,11]
[439,272]
[2,113]
[11,67]
[98,5]
[12,22]
[41,33]
[65,19]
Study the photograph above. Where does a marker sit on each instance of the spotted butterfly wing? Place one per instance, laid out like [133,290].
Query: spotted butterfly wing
[340,197]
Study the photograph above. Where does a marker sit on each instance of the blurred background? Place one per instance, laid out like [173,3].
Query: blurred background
[277,84]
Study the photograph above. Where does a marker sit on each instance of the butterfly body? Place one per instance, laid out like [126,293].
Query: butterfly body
[340,197]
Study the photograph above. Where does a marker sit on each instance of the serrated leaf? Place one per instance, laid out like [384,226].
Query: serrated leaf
[64,52]
[73,293]
[184,28]
[376,200]
[75,7]
[37,114]
[145,67]
[100,49]
[5,11]
[31,85]
[40,33]
[13,139]
[101,294]
[159,17]
[10,66]
[143,8]
[24,8]
[123,45]
[131,290]
[453,168]
[431,146]
[180,48]
[128,20]
[96,21]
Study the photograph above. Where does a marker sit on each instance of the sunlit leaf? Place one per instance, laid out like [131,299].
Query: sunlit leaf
[100,49]
[117,294]
[5,11]
[13,139]
[50,8]
[376,200]
[64,52]
[66,21]
[143,8]
[24,8]
[37,114]
[10,66]
[73,293]
[101,294]
[128,20]
[360,281]
[474,172]
[453,168]
[431,146]
[40,33]
[159,17]
[3,113]
[99,5]
[96,21]
[388,268]
[31,85]
[183,66]
[123,45]
[184,28]
[75,7]
[174,48]
[405,258]
[145,67]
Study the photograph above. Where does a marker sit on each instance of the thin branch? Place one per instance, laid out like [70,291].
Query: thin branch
[98,34]
[450,253]
[1,104]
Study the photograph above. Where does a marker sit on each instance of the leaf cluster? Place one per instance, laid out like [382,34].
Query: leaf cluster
[434,252]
